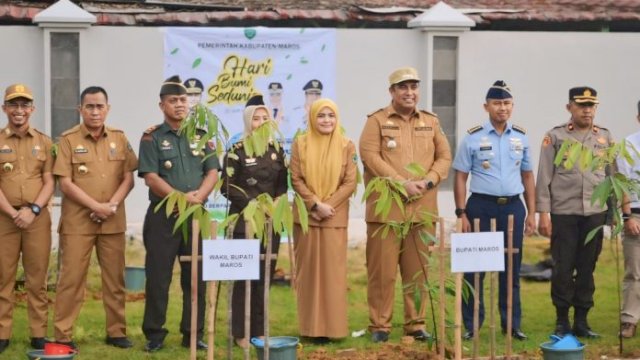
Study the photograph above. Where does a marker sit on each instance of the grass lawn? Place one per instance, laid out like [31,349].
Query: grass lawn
[538,317]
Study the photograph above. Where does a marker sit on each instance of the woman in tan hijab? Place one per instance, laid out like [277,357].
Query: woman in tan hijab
[245,178]
[323,172]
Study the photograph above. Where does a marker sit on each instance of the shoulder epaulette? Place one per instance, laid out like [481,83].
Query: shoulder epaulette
[375,112]
[600,127]
[41,133]
[151,129]
[519,129]
[474,129]
[560,126]
[114,129]
[71,131]
[428,113]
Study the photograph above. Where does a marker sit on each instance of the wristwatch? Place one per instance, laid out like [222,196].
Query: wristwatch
[35,209]
[459,212]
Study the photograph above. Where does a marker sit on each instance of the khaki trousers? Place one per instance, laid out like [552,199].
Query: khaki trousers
[383,257]
[35,245]
[75,256]
[631,281]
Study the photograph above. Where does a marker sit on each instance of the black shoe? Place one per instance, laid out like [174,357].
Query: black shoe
[200,345]
[562,329]
[379,336]
[585,332]
[38,343]
[4,344]
[119,342]
[468,335]
[519,335]
[70,344]
[320,340]
[421,335]
[153,345]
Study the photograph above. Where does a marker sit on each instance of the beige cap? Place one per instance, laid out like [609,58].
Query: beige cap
[403,74]
[18,91]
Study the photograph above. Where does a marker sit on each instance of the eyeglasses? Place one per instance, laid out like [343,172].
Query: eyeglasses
[16,106]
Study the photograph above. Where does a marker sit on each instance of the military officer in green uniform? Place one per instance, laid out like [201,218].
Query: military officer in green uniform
[169,162]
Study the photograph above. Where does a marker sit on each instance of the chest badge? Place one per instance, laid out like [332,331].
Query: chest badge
[5,149]
[165,145]
[83,169]
[252,181]
[391,144]
[168,164]
[80,150]
[7,167]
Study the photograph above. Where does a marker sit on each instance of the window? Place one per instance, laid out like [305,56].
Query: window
[65,81]
[445,70]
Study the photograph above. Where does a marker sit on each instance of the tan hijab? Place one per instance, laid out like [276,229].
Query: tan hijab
[248,117]
[321,155]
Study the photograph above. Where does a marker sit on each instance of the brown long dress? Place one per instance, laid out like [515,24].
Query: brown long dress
[321,253]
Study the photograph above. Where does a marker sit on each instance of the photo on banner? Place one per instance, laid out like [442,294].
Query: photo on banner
[290,67]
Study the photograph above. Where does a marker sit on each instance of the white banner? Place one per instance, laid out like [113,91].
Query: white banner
[477,252]
[237,259]
[234,64]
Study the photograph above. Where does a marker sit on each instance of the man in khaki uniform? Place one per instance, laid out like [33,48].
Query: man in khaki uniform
[26,185]
[95,165]
[394,137]
[566,195]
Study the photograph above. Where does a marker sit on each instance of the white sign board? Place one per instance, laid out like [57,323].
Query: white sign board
[237,259]
[477,252]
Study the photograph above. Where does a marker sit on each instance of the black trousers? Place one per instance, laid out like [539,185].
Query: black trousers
[163,247]
[257,295]
[574,261]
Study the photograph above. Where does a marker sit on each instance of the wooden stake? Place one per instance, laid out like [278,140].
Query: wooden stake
[510,253]
[441,324]
[249,233]
[476,302]
[195,232]
[292,263]
[267,284]
[212,305]
[492,307]
[458,308]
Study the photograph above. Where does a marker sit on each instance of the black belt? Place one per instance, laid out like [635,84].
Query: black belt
[500,200]
[635,210]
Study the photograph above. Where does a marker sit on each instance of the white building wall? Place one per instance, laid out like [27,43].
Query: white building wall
[540,68]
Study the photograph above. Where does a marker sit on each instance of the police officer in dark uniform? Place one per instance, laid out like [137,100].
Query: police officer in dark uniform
[169,162]
[565,194]
[496,154]
[266,174]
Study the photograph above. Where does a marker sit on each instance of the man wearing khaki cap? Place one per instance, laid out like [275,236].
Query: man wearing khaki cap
[26,185]
[394,137]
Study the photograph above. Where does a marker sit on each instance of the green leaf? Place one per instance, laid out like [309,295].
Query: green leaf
[172,198]
[564,148]
[303,215]
[184,216]
[159,206]
[205,222]
[592,234]
[196,63]
[416,170]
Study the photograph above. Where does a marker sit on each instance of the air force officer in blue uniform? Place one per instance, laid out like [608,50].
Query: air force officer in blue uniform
[496,155]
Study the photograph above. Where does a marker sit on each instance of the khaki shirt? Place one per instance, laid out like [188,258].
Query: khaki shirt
[23,160]
[389,143]
[564,191]
[97,167]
